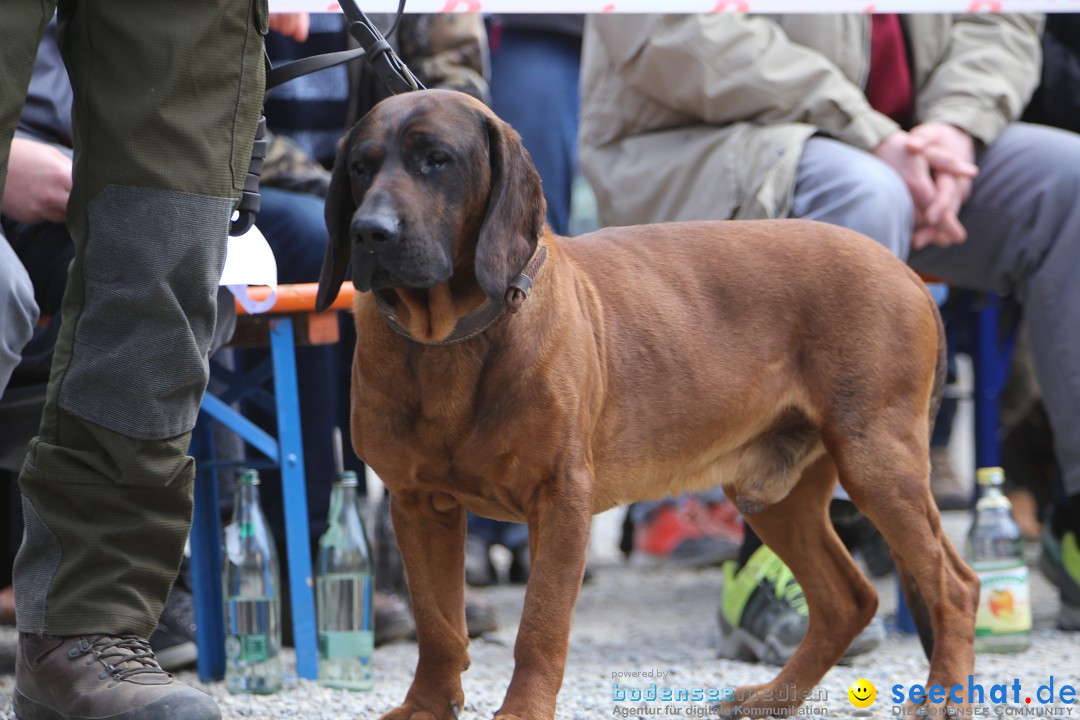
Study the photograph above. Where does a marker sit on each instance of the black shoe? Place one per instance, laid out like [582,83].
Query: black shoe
[393,621]
[7,657]
[479,614]
[173,641]
[948,489]
[520,565]
[479,570]
[860,537]
[102,677]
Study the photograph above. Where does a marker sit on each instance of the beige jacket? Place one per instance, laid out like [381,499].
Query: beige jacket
[705,116]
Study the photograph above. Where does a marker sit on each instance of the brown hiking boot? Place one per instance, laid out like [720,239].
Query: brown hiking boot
[101,677]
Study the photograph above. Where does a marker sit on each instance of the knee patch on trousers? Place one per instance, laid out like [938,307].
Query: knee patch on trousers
[35,566]
[151,267]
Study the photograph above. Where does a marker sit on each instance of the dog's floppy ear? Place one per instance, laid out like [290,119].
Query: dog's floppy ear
[339,211]
[515,211]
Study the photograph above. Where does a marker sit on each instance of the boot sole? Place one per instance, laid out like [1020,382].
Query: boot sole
[739,644]
[196,706]
[1069,617]
[735,643]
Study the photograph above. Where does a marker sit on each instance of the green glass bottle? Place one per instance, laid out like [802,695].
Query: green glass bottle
[343,593]
[996,553]
[252,596]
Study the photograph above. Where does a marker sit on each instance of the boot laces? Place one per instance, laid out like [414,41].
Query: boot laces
[124,656]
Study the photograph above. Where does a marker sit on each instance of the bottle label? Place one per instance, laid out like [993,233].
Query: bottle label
[1004,602]
[247,648]
[343,644]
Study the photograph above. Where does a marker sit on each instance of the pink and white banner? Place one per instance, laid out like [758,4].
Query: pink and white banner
[689,6]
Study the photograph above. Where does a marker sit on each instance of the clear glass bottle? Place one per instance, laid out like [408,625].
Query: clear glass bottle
[343,593]
[252,591]
[996,553]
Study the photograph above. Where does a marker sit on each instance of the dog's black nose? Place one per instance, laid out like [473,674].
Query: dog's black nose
[376,231]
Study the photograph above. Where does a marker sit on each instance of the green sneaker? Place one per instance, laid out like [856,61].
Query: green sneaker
[1060,562]
[764,616]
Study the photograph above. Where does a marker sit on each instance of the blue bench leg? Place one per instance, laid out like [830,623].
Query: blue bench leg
[291,459]
[990,365]
[206,565]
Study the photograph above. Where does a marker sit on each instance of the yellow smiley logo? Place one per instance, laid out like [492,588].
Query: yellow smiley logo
[862,693]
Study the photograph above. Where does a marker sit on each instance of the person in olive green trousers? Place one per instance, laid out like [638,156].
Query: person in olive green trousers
[167,98]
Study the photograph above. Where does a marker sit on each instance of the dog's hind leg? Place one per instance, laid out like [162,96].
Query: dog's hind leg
[920,613]
[841,600]
[430,532]
[886,473]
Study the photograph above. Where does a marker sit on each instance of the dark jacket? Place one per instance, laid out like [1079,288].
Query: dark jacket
[1057,100]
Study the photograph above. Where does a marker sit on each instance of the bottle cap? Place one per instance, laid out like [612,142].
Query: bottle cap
[346,478]
[248,476]
[990,476]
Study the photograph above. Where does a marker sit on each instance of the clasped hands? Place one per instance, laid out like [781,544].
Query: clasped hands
[937,163]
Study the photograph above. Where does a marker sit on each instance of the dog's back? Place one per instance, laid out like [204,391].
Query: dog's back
[762,336]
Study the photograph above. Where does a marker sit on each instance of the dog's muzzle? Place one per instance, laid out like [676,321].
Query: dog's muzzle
[376,232]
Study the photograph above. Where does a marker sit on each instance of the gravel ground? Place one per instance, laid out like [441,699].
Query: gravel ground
[647,619]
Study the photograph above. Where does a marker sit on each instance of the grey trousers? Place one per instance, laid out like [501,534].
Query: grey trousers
[1023,223]
[18,311]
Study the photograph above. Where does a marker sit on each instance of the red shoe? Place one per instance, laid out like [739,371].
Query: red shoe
[682,534]
[724,521]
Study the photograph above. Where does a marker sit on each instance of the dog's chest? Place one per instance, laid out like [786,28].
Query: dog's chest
[482,476]
[455,427]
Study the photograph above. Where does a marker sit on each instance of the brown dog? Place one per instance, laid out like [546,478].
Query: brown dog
[770,357]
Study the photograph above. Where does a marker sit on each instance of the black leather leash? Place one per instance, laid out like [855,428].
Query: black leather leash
[374,48]
[378,54]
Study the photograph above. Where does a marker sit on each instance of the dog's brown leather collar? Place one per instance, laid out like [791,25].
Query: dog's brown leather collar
[480,319]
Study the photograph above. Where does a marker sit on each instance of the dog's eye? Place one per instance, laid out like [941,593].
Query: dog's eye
[435,160]
[360,170]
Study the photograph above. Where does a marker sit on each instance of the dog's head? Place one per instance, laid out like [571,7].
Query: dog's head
[429,184]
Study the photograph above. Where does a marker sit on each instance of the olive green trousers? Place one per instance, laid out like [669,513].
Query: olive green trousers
[167,96]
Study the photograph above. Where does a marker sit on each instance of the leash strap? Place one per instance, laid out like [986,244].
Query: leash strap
[305,66]
[374,48]
[378,54]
